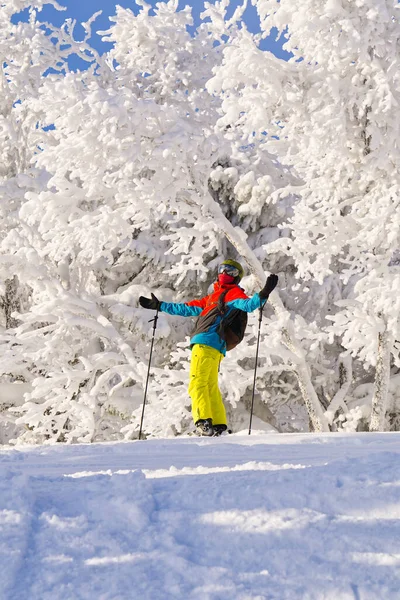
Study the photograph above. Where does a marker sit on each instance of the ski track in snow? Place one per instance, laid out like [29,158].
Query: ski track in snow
[266,517]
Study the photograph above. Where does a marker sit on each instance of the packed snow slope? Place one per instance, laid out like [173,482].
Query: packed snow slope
[241,517]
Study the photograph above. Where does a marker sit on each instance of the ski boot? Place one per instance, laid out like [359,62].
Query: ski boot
[220,429]
[204,427]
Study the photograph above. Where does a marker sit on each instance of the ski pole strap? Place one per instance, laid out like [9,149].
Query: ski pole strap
[261,310]
[154,321]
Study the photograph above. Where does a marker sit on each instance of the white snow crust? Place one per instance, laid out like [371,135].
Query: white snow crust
[266,517]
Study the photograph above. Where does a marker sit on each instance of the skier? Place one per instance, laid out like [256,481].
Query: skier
[208,347]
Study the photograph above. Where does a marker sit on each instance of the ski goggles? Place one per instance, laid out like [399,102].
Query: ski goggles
[229,270]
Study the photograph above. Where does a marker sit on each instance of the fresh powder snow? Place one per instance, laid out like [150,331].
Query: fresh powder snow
[260,517]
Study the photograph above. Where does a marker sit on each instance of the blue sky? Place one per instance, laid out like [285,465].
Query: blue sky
[81,10]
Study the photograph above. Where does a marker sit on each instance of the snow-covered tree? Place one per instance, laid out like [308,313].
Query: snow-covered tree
[114,201]
[170,151]
[331,115]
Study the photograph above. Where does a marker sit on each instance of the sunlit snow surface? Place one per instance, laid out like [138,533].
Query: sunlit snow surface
[262,517]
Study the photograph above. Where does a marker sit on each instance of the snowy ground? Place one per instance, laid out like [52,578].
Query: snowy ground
[263,517]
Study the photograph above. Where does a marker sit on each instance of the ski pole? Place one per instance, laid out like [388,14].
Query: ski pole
[154,321]
[255,367]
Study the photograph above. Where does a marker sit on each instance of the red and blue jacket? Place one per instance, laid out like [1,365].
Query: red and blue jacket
[206,309]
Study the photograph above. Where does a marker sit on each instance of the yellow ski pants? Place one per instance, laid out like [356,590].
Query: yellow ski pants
[203,385]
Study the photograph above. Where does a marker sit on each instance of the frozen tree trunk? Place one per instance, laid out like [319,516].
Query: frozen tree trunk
[338,401]
[237,237]
[10,303]
[381,386]
[311,400]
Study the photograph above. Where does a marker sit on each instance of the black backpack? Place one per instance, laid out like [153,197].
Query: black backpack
[233,325]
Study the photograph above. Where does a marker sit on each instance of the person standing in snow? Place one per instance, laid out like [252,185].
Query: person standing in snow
[208,347]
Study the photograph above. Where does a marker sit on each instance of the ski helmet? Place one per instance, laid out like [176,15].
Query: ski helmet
[236,265]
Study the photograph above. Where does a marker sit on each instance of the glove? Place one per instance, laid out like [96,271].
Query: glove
[272,280]
[153,303]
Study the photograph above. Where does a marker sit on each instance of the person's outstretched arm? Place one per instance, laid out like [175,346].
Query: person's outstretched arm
[259,298]
[183,309]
